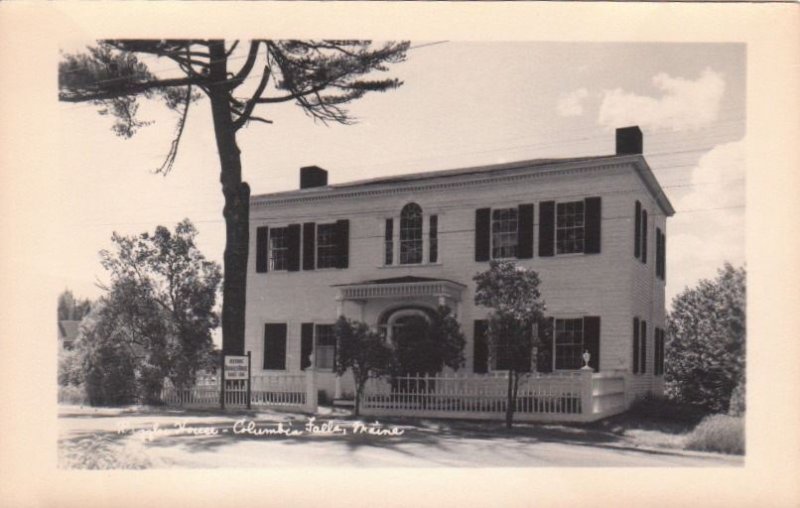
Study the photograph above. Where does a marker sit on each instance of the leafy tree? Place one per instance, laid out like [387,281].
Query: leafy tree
[320,76]
[512,294]
[363,352]
[72,309]
[156,317]
[705,349]
[426,348]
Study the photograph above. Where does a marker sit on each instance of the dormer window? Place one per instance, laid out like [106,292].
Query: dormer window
[411,234]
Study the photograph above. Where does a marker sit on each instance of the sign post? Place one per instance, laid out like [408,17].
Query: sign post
[237,370]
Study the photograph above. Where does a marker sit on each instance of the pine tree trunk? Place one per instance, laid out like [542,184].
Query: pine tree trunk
[236,210]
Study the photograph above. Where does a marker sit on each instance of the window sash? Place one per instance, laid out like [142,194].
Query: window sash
[570,227]
[411,235]
[505,225]
[327,247]
[569,344]
[325,347]
[278,249]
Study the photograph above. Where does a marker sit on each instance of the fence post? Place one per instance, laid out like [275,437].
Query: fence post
[249,379]
[587,405]
[311,390]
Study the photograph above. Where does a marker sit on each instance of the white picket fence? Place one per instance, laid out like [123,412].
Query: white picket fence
[279,390]
[568,396]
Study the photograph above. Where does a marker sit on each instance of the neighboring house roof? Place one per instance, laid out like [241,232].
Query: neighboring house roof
[68,330]
[479,173]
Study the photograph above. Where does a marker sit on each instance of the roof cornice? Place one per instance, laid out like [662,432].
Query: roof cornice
[511,173]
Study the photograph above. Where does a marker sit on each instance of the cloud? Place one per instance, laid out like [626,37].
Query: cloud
[684,103]
[709,223]
[571,104]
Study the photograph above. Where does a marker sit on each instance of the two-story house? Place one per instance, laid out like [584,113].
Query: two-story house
[385,249]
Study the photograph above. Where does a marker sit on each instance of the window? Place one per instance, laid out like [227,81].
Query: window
[504,233]
[388,237]
[569,227]
[278,249]
[569,343]
[433,238]
[275,346]
[327,246]
[411,234]
[325,350]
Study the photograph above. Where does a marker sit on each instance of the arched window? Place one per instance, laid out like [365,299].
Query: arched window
[411,234]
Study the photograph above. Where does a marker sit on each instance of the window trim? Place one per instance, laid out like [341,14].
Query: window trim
[417,239]
[334,245]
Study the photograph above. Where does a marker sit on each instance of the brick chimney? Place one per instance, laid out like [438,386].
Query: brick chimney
[629,140]
[313,176]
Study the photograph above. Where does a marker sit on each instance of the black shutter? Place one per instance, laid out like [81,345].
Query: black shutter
[591,340]
[637,231]
[643,337]
[275,346]
[547,225]
[594,214]
[480,357]
[343,243]
[664,256]
[309,240]
[635,345]
[644,236]
[483,232]
[656,349]
[293,244]
[262,237]
[525,232]
[658,253]
[306,344]
[544,358]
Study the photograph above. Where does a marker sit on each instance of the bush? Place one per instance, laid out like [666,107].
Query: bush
[737,405]
[72,394]
[667,411]
[718,433]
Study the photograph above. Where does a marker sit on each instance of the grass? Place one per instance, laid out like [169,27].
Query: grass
[663,423]
[718,433]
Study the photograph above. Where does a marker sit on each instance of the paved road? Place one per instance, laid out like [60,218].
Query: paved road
[91,438]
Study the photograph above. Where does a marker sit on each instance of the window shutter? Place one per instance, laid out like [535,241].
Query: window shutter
[664,256]
[433,238]
[306,344]
[262,238]
[643,337]
[525,232]
[637,231]
[644,236]
[658,253]
[591,340]
[635,345]
[293,244]
[547,219]
[544,358]
[275,346]
[480,357]
[343,242]
[483,231]
[594,220]
[309,240]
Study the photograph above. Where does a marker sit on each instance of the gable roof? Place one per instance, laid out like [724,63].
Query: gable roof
[529,167]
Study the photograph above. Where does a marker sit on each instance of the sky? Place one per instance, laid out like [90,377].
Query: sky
[461,104]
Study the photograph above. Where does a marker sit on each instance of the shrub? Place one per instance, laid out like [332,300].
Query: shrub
[718,433]
[737,405]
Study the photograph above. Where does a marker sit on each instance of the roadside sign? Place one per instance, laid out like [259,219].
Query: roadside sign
[236,367]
